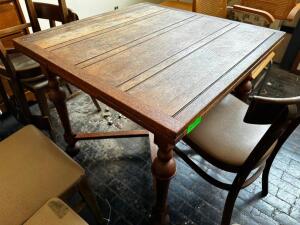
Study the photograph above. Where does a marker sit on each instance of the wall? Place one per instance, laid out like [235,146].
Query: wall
[86,8]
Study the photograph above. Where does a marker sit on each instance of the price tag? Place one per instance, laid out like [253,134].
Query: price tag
[193,125]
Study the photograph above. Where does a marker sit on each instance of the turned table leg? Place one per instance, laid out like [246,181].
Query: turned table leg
[58,97]
[163,169]
[244,88]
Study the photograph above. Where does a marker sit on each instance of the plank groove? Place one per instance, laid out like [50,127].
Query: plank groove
[173,88]
[98,45]
[129,84]
[99,24]
[136,60]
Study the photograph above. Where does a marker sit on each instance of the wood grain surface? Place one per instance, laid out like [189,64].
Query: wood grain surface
[160,67]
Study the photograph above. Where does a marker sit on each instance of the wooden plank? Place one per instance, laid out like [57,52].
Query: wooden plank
[132,44]
[173,88]
[72,25]
[79,30]
[211,96]
[109,29]
[112,134]
[280,9]
[136,60]
[119,37]
[177,57]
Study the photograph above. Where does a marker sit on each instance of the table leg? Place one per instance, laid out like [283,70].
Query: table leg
[244,88]
[58,97]
[163,169]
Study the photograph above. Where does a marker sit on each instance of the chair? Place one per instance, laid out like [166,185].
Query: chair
[285,16]
[52,13]
[296,65]
[213,8]
[55,212]
[21,71]
[280,10]
[245,149]
[35,170]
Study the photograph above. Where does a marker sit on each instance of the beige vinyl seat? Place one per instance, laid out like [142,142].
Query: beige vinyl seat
[246,150]
[33,170]
[55,212]
[225,138]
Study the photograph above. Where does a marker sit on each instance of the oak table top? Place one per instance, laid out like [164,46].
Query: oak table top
[159,66]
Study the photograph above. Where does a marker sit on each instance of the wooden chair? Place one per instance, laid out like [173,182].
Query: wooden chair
[55,212]
[284,10]
[24,72]
[246,149]
[285,16]
[52,13]
[11,15]
[280,10]
[213,8]
[35,170]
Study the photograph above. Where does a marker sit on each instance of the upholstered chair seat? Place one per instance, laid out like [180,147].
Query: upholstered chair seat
[223,137]
[32,170]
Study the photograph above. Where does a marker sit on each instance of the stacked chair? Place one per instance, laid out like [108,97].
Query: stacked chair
[55,212]
[34,170]
[21,71]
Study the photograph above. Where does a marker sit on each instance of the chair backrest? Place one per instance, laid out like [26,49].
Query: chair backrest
[53,13]
[282,113]
[11,15]
[279,9]
[211,7]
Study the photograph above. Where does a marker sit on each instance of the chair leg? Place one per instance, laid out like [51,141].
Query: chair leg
[69,88]
[42,101]
[269,162]
[229,205]
[265,180]
[96,104]
[89,197]
[265,175]
[4,97]
[23,112]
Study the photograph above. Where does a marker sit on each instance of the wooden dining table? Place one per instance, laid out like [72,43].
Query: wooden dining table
[162,68]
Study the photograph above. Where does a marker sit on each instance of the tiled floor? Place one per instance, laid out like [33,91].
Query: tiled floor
[119,172]
[124,183]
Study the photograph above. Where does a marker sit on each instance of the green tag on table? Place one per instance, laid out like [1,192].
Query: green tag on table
[193,125]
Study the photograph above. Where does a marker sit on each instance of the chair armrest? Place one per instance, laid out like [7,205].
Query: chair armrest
[280,101]
[263,13]
[13,30]
[293,13]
